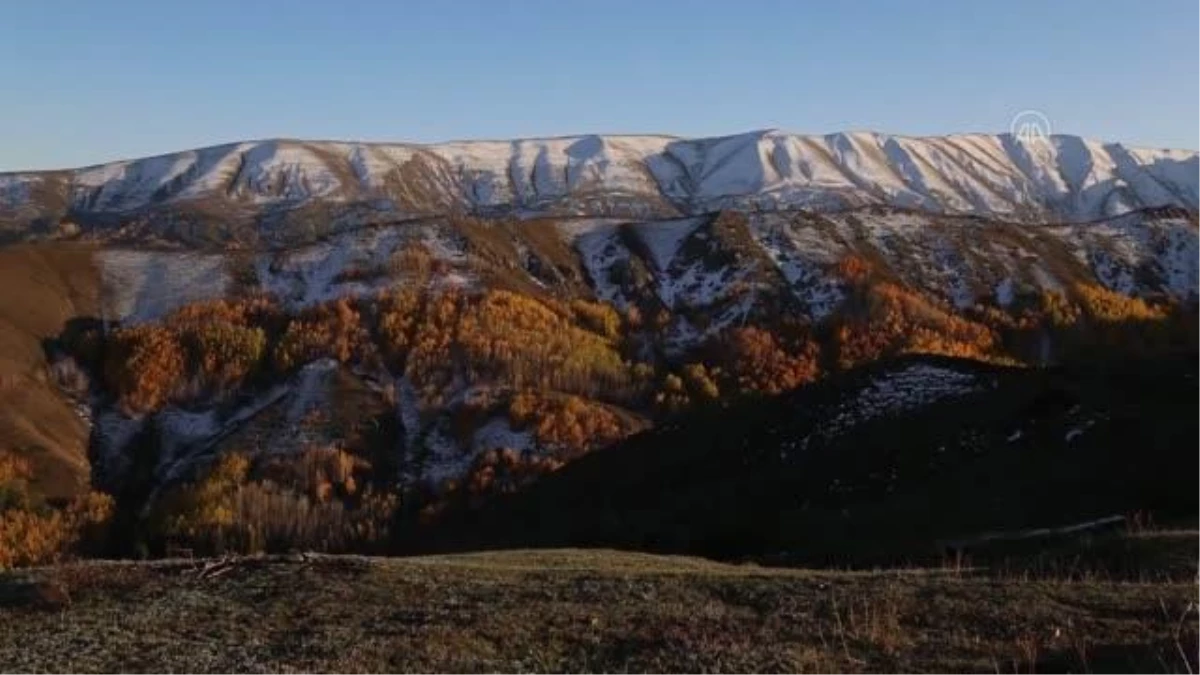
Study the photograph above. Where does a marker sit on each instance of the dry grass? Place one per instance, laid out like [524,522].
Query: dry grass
[574,610]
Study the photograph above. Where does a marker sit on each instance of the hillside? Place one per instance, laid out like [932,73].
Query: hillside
[591,611]
[331,346]
[44,289]
[880,466]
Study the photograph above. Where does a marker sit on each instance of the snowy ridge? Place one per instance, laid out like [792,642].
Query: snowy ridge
[960,261]
[1063,178]
[967,261]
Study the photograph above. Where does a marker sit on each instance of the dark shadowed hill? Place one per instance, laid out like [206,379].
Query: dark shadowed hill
[878,465]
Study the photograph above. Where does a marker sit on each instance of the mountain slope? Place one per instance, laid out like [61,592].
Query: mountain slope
[329,329]
[704,275]
[1063,178]
[44,289]
[876,465]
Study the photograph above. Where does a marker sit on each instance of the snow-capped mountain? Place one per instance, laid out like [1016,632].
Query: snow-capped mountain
[703,235]
[1062,178]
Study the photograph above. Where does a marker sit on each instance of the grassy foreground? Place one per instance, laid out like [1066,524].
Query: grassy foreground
[579,610]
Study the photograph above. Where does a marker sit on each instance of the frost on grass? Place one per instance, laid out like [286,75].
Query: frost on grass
[912,387]
[352,263]
[908,388]
[146,285]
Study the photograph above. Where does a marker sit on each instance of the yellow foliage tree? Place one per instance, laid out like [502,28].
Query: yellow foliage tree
[144,365]
[755,360]
[890,319]
[568,424]
[332,330]
[223,353]
[39,536]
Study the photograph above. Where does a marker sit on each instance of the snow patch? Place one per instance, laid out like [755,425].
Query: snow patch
[599,248]
[14,190]
[663,238]
[913,387]
[142,286]
[497,433]
[1004,292]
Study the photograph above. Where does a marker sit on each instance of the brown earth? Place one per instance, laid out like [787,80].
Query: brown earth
[41,288]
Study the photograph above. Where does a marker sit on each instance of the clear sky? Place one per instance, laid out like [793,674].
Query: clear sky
[90,81]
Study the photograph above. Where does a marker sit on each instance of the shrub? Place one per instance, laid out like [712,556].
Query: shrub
[223,354]
[520,341]
[332,330]
[891,319]
[600,318]
[229,510]
[568,425]
[398,317]
[696,383]
[322,472]
[40,536]
[504,471]
[756,361]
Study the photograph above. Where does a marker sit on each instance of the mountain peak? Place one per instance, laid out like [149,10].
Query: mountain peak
[1059,178]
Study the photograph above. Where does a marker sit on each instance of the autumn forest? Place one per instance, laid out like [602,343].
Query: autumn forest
[574,374]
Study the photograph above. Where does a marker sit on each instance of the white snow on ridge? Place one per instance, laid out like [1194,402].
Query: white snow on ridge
[275,171]
[1064,178]
[803,255]
[908,388]
[14,190]
[131,184]
[664,237]
[599,248]
[317,273]
[1179,256]
[1115,250]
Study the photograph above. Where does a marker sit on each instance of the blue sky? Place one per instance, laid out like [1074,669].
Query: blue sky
[87,81]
